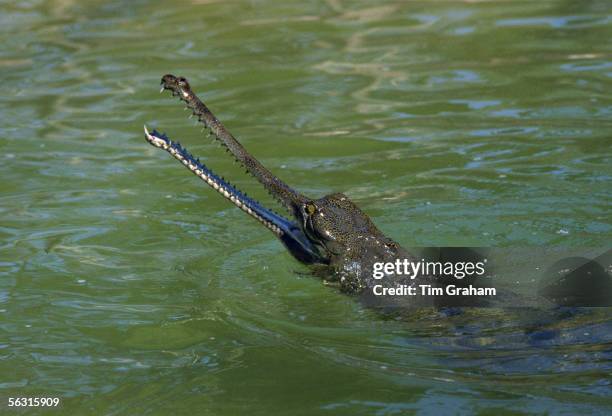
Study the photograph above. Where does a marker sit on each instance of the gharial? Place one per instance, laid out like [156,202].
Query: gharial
[331,232]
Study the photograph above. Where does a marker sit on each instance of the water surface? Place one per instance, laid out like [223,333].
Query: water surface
[127,287]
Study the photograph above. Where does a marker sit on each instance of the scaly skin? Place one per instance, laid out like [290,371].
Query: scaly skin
[331,230]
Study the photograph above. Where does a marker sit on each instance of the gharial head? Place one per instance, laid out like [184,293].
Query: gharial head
[321,228]
[335,224]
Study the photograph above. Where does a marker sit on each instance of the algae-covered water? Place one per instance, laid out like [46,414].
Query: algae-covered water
[129,287]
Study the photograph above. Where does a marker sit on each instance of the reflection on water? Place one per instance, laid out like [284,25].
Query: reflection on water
[127,287]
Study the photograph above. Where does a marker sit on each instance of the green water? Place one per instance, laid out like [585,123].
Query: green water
[128,287]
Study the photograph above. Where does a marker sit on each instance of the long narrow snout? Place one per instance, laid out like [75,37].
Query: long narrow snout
[287,196]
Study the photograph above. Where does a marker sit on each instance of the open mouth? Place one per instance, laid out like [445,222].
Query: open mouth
[290,233]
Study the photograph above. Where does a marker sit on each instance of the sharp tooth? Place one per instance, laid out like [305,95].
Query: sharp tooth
[162,89]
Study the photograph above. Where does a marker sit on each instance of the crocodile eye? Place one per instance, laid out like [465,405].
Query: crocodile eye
[310,209]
